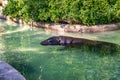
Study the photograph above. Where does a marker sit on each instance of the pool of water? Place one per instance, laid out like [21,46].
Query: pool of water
[20,47]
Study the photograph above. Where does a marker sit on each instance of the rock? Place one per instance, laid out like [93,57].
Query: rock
[7,72]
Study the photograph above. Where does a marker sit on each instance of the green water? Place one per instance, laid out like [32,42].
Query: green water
[20,47]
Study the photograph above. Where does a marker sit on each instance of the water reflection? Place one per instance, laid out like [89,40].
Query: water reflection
[20,48]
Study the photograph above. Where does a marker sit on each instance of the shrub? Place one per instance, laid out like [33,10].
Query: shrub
[87,12]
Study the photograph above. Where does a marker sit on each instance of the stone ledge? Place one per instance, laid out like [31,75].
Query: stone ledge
[83,29]
[67,27]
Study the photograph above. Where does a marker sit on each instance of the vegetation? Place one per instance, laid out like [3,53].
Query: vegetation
[87,12]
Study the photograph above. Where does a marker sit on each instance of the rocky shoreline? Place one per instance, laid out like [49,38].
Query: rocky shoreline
[66,27]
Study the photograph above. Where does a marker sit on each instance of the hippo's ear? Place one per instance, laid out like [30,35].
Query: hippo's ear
[59,41]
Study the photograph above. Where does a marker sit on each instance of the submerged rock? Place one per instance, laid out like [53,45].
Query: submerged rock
[7,72]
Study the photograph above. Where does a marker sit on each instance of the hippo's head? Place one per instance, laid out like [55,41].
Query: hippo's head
[51,41]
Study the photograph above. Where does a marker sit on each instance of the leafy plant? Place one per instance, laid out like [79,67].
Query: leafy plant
[87,12]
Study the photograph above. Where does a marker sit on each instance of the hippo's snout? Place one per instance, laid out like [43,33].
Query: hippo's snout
[50,41]
[44,43]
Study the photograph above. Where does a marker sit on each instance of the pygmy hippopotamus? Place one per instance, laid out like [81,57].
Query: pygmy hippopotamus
[65,41]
